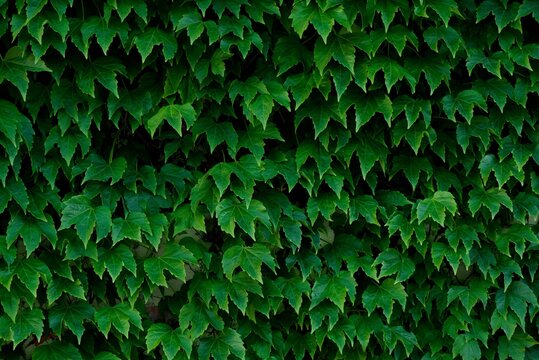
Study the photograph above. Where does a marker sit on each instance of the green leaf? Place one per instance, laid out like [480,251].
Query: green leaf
[15,65]
[444,8]
[130,227]
[61,285]
[436,69]
[172,258]
[72,315]
[114,260]
[435,207]
[392,334]
[79,211]
[367,106]
[104,70]
[529,7]
[100,170]
[104,32]
[366,206]
[28,322]
[30,230]
[394,263]
[470,295]
[517,234]
[384,296]
[320,112]
[30,271]
[491,198]
[171,340]
[464,103]
[56,350]
[192,21]
[174,115]
[293,290]
[467,347]
[221,346]
[10,120]
[461,233]
[230,212]
[304,13]
[105,355]
[337,48]
[449,35]
[217,133]
[333,288]
[515,347]
[147,40]
[249,259]
[199,317]
[120,316]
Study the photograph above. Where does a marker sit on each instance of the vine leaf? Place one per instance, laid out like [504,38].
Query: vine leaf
[249,259]
[172,259]
[120,316]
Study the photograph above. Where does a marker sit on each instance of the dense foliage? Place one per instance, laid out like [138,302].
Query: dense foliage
[269,179]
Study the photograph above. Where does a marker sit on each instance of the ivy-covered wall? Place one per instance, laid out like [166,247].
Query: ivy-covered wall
[269,179]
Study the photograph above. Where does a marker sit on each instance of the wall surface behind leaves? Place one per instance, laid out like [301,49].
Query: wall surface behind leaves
[269,179]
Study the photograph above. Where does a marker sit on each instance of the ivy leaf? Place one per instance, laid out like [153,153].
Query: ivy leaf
[130,227]
[367,106]
[231,212]
[366,206]
[515,347]
[435,207]
[28,322]
[120,316]
[56,350]
[79,211]
[262,107]
[100,170]
[104,70]
[529,7]
[172,259]
[72,315]
[192,21]
[174,115]
[249,259]
[435,68]
[464,103]
[517,234]
[171,340]
[293,290]
[60,285]
[15,65]
[147,40]
[392,334]
[491,198]
[199,317]
[103,30]
[217,133]
[467,347]
[304,13]
[30,230]
[470,295]
[394,263]
[10,120]
[114,260]
[333,288]
[320,112]
[29,271]
[384,296]
[464,233]
[337,48]
[222,345]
